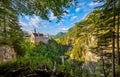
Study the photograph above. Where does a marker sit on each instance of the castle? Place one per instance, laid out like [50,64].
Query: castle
[38,37]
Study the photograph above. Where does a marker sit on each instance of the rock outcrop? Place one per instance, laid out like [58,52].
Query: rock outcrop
[7,53]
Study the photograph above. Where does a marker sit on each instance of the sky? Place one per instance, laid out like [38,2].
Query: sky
[75,14]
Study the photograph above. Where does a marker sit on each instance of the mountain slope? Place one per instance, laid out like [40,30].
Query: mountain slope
[58,35]
[80,39]
[90,39]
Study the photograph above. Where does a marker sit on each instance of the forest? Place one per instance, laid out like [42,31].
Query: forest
[89,49]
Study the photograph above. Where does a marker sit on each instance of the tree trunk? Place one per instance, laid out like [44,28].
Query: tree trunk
[118,52]
[4,29]
[113,43]
[103,64]
[113,54]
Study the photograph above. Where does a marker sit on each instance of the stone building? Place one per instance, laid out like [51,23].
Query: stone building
[38,37]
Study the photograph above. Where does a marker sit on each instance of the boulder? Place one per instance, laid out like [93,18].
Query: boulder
[7,53]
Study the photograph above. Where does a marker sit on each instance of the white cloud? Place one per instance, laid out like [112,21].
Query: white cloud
[22,23]
[64,29]
[26,27]
[82,3]
[27,17]
[60,23]
[68,11]
[52,17]
[93,4]
[62,20]
[64,14]
[73,17]
[84,16]
[34,21]
[77,9]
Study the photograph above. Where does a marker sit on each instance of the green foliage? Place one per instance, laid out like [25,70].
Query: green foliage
[80,38]
[52,50]
[74,68]
[28,64]
[25,47]
[36,57]
[87,35]
[40,8]
[10,32]
[93,34]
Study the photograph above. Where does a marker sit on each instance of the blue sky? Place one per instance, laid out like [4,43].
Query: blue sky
[76,13]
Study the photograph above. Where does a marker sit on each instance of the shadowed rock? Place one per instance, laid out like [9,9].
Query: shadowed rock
[15,73]
[32,75]
[43,73]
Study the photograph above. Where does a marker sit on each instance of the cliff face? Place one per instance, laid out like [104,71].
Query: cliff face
[81,43]
[80,38]
[7,53]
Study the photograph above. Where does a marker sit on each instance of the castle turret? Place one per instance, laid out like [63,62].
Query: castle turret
[35,30]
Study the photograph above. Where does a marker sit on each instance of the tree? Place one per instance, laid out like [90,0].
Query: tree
[41,8]
[117,33]
[10,31]
[113,5]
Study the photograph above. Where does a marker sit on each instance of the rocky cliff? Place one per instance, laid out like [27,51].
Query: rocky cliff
[81,39]
[7,53]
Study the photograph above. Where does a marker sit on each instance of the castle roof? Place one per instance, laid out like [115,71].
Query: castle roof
[37,34]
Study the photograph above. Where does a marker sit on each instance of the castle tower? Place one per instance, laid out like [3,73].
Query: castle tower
[34,30]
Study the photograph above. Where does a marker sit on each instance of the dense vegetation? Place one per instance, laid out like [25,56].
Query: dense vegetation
[90,48]
[90,40]
[10,30]
[40,56]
